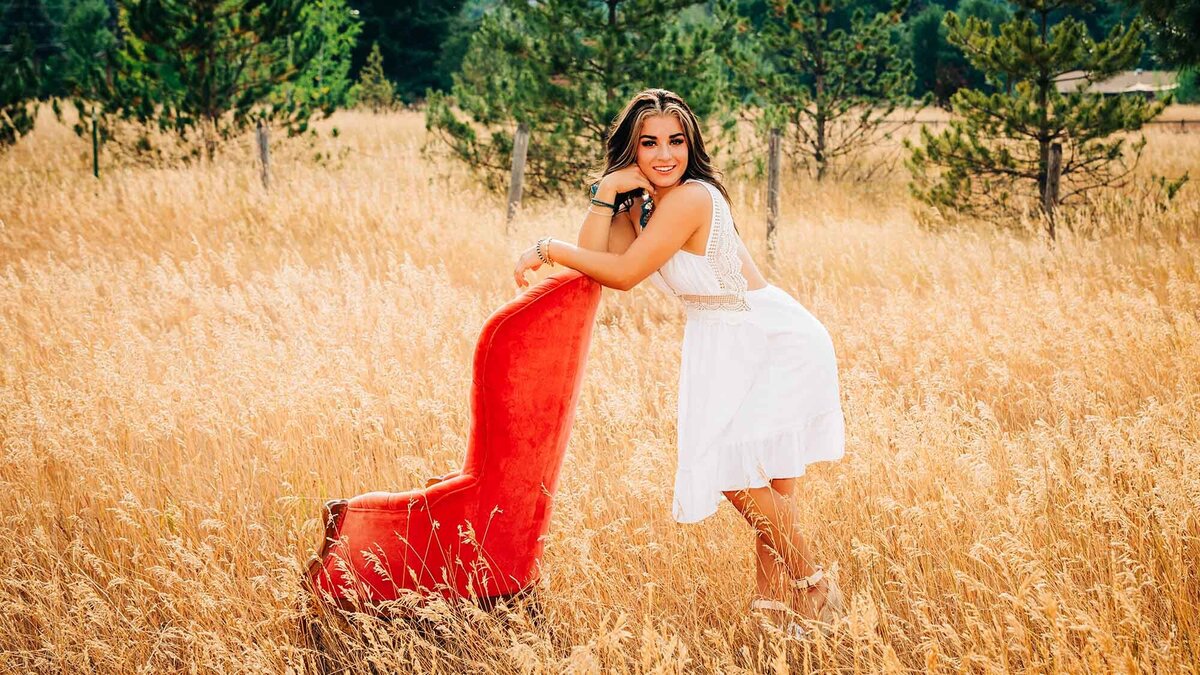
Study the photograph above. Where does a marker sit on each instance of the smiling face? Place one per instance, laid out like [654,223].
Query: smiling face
[662,150]
[657,129]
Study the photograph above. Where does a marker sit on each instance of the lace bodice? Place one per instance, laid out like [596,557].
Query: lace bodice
[713,281]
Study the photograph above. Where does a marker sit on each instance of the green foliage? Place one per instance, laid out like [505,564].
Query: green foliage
[993,12]
[324,80]
[89,48]
[453,49]
[996,150]
[214,66]
[829,88]
[27,42]
[566,68]
[373,90]
[1175,27]
[18,90]
[413,36]
[193,66]
[931,54]
[1189,85]
[940,68]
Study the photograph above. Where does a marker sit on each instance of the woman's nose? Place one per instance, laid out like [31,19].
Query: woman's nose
[664,152]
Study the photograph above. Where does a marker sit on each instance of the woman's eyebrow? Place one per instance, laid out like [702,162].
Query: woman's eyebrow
[654,138]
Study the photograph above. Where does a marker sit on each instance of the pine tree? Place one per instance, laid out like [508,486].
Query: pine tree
[1005,146]
[1176,28]
[27,42]
[89,49]
[565,68]
[933,67]
[374,90]
[215,63]
[323,82]
[411,35]
[824,74]
[1189,85]
[18,89]
[940,68]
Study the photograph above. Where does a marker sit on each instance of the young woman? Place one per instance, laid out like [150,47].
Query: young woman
[758,386]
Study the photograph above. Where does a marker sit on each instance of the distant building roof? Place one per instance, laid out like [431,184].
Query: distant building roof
[1128,82]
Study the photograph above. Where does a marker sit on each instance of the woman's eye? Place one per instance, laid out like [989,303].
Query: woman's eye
[647,144]
[677,141]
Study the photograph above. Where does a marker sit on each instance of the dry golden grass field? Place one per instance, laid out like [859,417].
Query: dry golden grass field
[190,366]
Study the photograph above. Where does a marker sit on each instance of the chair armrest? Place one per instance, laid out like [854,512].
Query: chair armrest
[437,479]
[418,499]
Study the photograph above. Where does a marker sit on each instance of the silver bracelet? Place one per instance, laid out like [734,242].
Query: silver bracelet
[599,213]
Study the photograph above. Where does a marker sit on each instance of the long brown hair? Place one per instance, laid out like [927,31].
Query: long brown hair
[621,146]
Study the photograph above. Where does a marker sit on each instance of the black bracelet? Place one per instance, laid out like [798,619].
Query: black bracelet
[595,189]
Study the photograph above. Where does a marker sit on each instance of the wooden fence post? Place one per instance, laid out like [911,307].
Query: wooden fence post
[773,142]
[95,144]
[1053,172]
[264,155]
[520,149]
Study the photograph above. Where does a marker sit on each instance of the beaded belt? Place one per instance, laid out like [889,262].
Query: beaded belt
[729,301]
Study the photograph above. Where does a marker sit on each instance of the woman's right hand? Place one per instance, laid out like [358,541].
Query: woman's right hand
[626,179]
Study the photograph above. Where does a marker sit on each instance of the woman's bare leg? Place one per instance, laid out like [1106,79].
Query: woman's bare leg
[771,574]
[774,518]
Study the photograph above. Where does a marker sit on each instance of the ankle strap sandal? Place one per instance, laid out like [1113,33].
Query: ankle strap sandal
[809,581]
[834,607]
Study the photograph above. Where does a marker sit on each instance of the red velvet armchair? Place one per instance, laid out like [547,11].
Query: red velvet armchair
[478,532]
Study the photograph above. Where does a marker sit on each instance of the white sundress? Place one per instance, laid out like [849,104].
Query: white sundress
[758,380]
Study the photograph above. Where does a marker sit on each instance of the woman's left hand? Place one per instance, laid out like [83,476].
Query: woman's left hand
[528,260]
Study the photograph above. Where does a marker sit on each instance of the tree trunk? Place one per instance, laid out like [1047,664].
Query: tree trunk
[609,93]
[1043,169]
[1047,174]
[210,138]
[819,154]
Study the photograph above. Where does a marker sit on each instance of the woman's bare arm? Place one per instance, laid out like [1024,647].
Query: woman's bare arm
[675,220]
[595,232]
[621,233]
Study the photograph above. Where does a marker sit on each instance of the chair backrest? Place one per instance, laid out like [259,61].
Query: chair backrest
[529,365]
